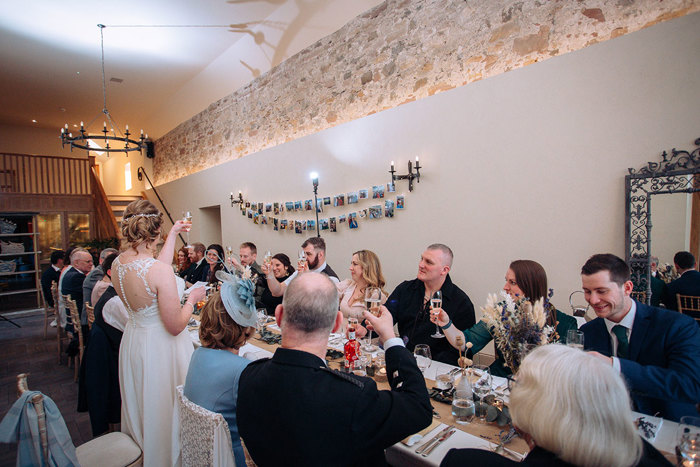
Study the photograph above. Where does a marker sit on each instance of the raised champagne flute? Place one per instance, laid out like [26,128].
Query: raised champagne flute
[187,217]
[436,302]
[373,300]
[301,262]
[268,258]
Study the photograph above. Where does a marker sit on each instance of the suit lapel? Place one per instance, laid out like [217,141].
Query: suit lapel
[639,330]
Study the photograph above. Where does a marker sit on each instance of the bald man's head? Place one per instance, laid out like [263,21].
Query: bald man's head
[310,303]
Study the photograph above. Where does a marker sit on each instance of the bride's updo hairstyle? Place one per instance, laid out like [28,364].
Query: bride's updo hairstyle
[141,223]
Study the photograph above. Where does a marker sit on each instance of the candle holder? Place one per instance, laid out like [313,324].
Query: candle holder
[238,200]
[410,176]
[314,180]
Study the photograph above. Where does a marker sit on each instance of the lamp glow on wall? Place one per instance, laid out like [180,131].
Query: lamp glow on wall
[127,176]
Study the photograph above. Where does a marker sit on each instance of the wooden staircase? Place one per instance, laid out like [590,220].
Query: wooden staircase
[119,203]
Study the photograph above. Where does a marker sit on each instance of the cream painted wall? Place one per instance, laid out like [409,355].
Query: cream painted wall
[528,164]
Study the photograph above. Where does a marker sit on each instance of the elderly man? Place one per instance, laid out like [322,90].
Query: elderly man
[409,304]
[657,351]
[72,283]
[197,271]
[96,275]
[321,416]
[687,284]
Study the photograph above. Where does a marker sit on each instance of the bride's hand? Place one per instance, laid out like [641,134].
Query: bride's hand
[180,226]
[197,295]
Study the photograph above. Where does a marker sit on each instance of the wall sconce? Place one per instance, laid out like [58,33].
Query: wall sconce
[410,176]
[238,200]
[314,180]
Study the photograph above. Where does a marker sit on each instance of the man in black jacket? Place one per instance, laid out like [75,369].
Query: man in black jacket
[316,416]
[72,285]
[51,274]
[409,304]
[687,284]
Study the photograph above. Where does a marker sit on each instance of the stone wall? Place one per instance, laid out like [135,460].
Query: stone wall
[398,52]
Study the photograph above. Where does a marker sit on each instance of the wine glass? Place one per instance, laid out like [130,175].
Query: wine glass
[187,217]
[262,319]
[436,302]
[301,262]
[574,338]
[481,387]
[688,439]
[423,357]
[373,301]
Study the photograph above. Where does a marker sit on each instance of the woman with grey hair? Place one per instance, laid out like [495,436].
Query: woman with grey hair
[573,410]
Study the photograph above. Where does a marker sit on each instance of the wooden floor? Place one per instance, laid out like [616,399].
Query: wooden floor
[24,350]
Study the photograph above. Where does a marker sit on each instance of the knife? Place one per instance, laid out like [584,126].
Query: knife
[423,446]
[427,452]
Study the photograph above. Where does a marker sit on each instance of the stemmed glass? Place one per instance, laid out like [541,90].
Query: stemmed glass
[301,262]
[423,357]
[262,319]
[373,301]
[436,302]
[268,258]
[187,217]
[481,387]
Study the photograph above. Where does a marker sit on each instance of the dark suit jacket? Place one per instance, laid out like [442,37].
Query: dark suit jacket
[47,277]
[198,273]
[538,457]
[73,285]
[314,416]
[663,368]
[413,318]
[658,289]
[687,284]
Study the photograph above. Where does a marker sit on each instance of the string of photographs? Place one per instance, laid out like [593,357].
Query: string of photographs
[266,213]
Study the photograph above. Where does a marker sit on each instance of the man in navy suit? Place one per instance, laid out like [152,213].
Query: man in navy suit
[687,284]
[72,285]
[657,351]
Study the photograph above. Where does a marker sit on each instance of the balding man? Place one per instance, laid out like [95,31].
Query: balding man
[72,284]
[293,410]
[409,304]
[96,275]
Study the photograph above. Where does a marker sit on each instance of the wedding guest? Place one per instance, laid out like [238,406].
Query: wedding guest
[154,352]
[365,271]
[409,304]
[586,421]
[72,282]
[183,262]
[658,286]
[101,285]
[215,262]
[248,254]
[318,416]
[61,303]
[657,351]
[197,273]
[52,274]
[227,323]
[524,279]
[279,271]
[95,275]
[687,284]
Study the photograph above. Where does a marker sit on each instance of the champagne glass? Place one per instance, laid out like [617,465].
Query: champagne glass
[688,439]
[268,258]
[187,217]
[373,300]
[481,387]
[574,338]
[301,262]
[423,357]
[436,302]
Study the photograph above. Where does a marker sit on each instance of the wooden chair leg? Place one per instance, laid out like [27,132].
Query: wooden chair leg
[46,322]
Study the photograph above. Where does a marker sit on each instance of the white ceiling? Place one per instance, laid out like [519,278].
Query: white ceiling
[50,55]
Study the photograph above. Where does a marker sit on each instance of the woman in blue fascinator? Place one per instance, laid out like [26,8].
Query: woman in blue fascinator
[227,321]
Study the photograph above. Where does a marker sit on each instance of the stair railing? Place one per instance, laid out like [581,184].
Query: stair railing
[140,173]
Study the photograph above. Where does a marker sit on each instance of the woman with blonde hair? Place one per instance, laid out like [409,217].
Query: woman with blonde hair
[154,352]
[228,320]
[585,421]
[365,271]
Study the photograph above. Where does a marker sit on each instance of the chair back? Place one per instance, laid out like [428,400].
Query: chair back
[38,402]
[689,305]
[205,438]
[54,293]
[75,320]
[90,310]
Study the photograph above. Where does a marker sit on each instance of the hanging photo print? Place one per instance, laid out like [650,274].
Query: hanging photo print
[307,205]
[339,200]
[324,224]
[388,208]
[352,197]
[277,208]
[289,205]
[352,220]
[333,225]
[375,212]
[327,200]
[297,227]
[364,194]
[276,223]
[400,202]
[390,188]
[297,205]
[363,213]
[341,218]
[377,191]
[268,207]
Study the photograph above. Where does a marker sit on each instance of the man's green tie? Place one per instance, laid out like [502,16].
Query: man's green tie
[622,342]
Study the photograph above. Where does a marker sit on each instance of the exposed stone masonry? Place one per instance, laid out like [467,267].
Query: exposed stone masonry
[399,51]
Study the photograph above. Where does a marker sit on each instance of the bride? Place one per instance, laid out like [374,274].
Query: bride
[154,353]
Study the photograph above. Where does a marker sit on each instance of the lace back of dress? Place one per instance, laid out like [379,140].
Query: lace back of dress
[132,284]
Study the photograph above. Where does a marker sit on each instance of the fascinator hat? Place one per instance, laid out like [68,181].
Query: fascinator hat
[238,297]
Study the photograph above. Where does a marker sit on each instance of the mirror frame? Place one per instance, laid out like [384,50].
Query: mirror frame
[679,173]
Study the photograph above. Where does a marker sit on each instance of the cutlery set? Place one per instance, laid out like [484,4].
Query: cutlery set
[428,447]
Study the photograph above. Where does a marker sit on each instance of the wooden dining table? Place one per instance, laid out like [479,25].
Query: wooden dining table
[476,434]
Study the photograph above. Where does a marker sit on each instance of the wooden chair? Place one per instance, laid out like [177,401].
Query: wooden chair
[49,311]
[111,450]
[61,335]
[90,310]
[689,305]
[77,330]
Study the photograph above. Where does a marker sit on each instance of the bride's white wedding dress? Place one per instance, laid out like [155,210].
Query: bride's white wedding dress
[152,363]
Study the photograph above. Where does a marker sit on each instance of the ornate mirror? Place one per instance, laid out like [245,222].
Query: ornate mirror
[677,173]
